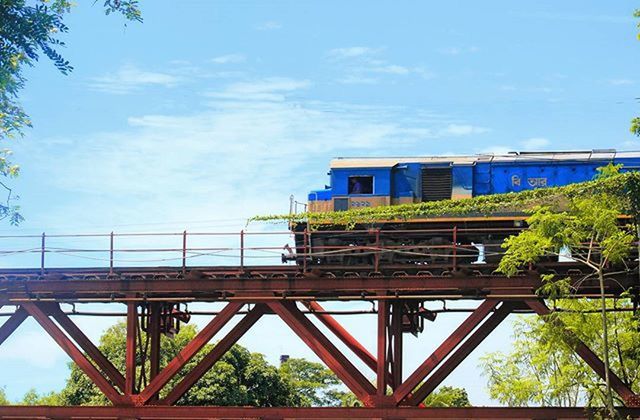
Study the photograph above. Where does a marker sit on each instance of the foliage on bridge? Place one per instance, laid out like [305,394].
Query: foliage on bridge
[626,186]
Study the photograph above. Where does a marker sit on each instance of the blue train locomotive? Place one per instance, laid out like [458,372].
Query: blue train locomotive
[369,182]
[433,245]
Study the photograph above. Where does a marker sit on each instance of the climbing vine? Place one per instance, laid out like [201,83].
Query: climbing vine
[626,186]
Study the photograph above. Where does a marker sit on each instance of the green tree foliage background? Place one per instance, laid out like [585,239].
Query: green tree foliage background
[240,378]
[590,227]
[445,396]
[543,369]
[448,396]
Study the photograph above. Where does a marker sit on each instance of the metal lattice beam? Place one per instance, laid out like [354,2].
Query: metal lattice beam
[75,354]
[187,353]
[444,349]
[215,354]
[325,350]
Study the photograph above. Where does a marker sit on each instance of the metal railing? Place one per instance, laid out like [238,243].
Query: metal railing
[109,248]
[372,248]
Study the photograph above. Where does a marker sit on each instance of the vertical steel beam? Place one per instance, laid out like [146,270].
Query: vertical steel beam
[325,350]
[215,354]
[461,353]
[154,339]
[187,353]
[455,248]
[85,344]
[447,346]
[76,355]
[376,255]
[11,324]
[586,354]
[396,341]
[130,357]
[381,372]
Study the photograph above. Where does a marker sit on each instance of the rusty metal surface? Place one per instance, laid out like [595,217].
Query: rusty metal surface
[160,412]
[259,283]
[278,290]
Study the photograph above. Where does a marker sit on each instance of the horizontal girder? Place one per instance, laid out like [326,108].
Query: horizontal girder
[272,282]
[176,412]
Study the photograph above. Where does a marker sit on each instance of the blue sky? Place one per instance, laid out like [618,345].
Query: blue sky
[210,112]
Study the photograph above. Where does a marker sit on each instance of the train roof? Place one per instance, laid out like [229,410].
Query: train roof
[571,155]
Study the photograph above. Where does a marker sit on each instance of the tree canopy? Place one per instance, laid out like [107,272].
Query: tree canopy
[590,229]
[448,396]
[240,378]
[3,397]
[444,396]
[622,186]
[314,384]
[543,369]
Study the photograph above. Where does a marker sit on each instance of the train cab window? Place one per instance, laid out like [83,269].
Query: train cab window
[361,184]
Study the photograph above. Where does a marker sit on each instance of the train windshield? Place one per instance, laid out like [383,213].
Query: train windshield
[361,184]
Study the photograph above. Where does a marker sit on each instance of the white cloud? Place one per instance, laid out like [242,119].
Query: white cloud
[254,144]
[270,25]
[350,52]
[364,66]
[462,130]
[268,89]
[391,69]
[352,79]
[458,50]
[622,82]
[535,143]
[229,59]
[130,78]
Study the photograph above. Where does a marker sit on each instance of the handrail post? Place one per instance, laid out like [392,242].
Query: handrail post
[455,247]
[184,252]
[242,250]
[304,250]
[111,253]
[42,251]
[376,256]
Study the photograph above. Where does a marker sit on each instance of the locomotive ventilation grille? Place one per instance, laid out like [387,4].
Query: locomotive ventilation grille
[436,184]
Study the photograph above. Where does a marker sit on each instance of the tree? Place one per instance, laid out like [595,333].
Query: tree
[448,396]
[543,369]
[590,228]
[27,30]
[445,396]
[3,397]
[315,385]
[238,378]
[33,398]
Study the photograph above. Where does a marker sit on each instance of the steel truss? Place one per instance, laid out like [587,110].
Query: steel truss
[151,296]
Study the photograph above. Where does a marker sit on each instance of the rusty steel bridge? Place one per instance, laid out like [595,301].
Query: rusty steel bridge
[151,297]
